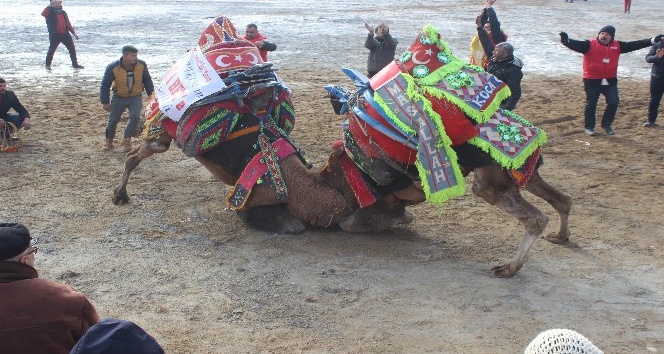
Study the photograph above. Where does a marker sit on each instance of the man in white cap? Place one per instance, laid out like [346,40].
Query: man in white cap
[37,315]
[600,71]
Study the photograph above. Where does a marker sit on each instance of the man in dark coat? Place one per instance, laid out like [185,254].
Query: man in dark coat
[37,315]
[656,58]
[382,47]
[8,100]
[503,65]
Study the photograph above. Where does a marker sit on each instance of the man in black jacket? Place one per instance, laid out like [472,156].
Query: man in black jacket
[59,28]
[505,66]
[8,100]
[656,58]
[381,47]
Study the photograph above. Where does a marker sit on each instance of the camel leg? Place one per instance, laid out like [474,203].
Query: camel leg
[558,200]
[492,184]
[133,158]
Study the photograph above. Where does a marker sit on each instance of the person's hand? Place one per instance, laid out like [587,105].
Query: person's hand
[106,107]
[75,36]
[657,38]
[564,38]
[478,21]
[26,123]
[259,44]
[369,28]
[660,53]
[489,3]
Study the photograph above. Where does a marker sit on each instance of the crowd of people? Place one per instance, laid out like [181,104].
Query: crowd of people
[45,316]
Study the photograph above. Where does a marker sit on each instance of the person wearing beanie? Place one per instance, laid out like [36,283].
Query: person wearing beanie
[113,336]
[600,71]
[38,315]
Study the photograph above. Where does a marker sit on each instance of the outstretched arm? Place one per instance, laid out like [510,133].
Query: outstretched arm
[497,34]
[485,41]
[578,46]
[626,47]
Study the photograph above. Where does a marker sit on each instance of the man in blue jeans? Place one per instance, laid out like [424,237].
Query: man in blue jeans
[8,100]
[600,71]
[128,76]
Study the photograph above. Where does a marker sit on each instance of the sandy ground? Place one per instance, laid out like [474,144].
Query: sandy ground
[179,264]
[186,269]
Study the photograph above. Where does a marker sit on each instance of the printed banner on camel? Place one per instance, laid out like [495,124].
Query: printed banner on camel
[190,79]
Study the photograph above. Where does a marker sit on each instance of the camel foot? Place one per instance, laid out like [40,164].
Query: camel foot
[120,197]
[560,239]
[273,218]
[503,271]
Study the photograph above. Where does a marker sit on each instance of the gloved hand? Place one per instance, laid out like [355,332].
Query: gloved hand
[563,37]
[657,38]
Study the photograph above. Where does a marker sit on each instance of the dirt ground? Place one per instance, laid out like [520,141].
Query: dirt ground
[186,269]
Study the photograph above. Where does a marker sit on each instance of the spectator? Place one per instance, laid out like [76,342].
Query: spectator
[128,76]
[488,21]
[59,28]
[38,315]
[259,40]
[655,57]
[505,66]
[600,68]
[561,341]
[8,100]
[112,336]
[628,6]
[382,47]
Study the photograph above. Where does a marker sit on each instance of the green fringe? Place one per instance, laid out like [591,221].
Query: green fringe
[504,160]
[392,117]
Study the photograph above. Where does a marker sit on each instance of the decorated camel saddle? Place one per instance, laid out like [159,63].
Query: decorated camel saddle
[413,116]
[204,99]
[10,141]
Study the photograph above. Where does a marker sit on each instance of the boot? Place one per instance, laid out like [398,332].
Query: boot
[108,145]
[126,145]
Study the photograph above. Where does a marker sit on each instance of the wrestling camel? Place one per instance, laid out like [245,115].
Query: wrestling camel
[419,126]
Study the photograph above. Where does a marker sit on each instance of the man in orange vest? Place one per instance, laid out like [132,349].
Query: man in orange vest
[600,69]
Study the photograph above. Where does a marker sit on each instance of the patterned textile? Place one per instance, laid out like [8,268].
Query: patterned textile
[258,168]
[508,138]
[437,101]
[9,139]
[364,194]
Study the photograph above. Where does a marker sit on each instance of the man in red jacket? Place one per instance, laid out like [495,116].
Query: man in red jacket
[259,40]
[59,28]
[600,71]
[36,315]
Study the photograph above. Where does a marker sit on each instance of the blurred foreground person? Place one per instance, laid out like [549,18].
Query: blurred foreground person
[113,336]
[37,315]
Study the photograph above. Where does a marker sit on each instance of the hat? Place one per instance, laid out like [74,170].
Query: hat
[608,29]
[113,336]
[562,341]
[14,239]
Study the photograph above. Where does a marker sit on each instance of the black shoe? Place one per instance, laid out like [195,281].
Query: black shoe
[77,66]
[609,131]
[48,66]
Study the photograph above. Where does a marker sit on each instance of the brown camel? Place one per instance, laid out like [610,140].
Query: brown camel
[491,183]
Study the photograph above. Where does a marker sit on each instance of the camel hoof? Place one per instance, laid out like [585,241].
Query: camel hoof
[120,198]
[559,239]
[503,271]
[407,217]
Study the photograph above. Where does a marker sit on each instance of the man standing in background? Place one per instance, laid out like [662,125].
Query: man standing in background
[128,76]
[259,40]
[59,28]
[381,47]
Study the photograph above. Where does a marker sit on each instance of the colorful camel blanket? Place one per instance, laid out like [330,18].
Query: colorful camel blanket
[207,107]
[409,93]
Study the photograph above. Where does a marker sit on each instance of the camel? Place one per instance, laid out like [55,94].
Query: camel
[418,98]
[240,135]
